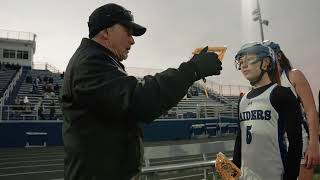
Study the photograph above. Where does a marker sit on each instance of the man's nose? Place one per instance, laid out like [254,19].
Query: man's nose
[131,40]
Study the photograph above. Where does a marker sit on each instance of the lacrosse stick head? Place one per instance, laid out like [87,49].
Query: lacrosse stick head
[226,169]
[220,51]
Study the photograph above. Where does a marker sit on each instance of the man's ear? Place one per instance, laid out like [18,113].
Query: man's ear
[104,34]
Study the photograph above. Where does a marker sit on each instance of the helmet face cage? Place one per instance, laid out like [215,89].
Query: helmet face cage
[254,48]
[246,59]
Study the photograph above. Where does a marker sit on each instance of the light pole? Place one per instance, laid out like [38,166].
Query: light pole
[257,17]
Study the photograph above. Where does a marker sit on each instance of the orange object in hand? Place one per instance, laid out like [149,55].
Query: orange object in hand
[220,51]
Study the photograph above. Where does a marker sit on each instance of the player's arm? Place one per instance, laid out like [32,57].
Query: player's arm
[237,146]
[304,92]
[237,150]
[290,117]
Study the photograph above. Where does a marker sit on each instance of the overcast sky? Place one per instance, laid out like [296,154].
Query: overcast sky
[174,29]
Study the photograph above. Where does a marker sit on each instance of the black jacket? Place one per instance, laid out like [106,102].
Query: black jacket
[103,109]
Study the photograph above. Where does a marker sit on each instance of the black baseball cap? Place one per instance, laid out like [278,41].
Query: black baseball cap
[110,14]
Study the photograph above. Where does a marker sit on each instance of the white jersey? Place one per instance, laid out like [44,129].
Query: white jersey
[285,82]
[262,138]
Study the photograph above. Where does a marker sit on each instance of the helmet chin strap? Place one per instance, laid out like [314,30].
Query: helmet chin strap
[252,83]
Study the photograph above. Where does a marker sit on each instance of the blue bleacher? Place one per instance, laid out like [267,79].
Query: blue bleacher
[198,131]
[212,129]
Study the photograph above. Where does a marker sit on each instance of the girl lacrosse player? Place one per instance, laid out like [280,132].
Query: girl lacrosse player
[267,114]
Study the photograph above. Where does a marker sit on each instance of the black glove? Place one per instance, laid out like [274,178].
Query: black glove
[206,63]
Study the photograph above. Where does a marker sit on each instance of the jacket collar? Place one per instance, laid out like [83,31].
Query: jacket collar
[89,42]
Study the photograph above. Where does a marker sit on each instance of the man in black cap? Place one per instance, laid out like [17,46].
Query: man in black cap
[104,108]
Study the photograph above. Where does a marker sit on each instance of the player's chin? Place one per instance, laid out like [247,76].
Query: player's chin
[248,77]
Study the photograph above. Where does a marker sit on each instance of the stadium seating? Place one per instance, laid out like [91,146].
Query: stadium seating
[5,79]
[25,89]
[193,106]
[203,107]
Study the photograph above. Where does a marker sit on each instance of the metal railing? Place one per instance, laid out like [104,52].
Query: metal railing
[45,66]
[221,89]
[212,111]
[17,35]
[29,112]
[199,111]
[224,90]
[186,153]
[6,94]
